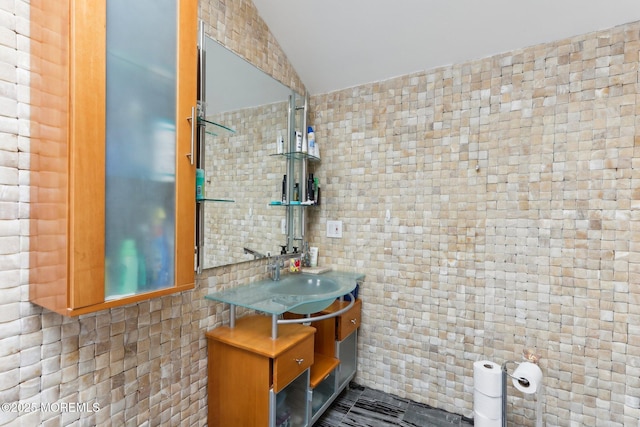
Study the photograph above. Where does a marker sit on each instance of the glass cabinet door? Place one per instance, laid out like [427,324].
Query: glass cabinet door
[322,394]
[289,407]
[141,73]
[347,352]
[112,96]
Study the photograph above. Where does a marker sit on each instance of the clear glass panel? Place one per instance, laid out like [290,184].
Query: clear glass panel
[141,141]
[291,403]
[322,393]
[347,353]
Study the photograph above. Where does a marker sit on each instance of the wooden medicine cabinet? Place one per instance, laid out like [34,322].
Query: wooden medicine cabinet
[112,173]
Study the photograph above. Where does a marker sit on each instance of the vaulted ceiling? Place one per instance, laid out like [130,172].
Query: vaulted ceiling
[335,44]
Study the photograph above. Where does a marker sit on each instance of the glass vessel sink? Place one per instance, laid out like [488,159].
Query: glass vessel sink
[296,285]
[296,293]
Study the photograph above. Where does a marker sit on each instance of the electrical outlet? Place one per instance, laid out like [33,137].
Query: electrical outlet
[334,229]
[283,226]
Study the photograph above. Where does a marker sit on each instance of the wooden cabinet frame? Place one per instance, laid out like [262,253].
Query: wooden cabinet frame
[246,366]
[67,173]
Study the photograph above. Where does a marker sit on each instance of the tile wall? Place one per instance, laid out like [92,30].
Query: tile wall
[534,248]
[144,364]
[511,186]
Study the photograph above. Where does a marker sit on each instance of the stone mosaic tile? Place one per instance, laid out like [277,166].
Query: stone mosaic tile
[511,185]
[491,204]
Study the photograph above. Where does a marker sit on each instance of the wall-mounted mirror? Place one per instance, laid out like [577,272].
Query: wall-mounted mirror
[242,175]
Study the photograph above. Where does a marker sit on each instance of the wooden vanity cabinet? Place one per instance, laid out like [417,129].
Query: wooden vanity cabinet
[255,380]
[348,322]
[336,339]
[69,172]
[290,381]
[346,343]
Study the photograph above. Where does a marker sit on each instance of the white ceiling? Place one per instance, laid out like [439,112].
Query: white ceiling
[335,44]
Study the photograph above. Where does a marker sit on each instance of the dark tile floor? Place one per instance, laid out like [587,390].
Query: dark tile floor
[361,407]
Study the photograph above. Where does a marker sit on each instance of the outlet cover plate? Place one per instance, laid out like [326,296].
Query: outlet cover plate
[334,229]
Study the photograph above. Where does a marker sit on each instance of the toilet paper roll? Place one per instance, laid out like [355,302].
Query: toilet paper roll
[527,377]
[480,420]
[487,378]
[487,406]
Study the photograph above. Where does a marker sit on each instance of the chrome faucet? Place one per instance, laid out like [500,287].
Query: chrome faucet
[278,264]
[256,254]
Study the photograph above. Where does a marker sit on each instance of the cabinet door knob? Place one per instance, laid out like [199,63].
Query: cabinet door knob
[299,361]
[354,321]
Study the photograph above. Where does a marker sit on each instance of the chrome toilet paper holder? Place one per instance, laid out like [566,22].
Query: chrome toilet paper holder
[528,356]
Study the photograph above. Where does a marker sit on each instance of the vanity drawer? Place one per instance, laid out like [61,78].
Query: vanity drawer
[288,365]
[349,321]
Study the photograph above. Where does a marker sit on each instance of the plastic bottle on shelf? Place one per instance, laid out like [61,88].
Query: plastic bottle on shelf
[298,141]
[280,144]
[296,192]
[310,188]
[199,184]
[311,137]
[284,189]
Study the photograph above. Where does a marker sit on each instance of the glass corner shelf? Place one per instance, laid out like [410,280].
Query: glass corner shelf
[215,200]
[298,155]
[213,126]
[299,204]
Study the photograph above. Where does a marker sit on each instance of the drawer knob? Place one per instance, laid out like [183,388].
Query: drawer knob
[299,361]
[354,321]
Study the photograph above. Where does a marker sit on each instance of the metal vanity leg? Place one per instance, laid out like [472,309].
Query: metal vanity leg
[504,396]
[232,316]
[274,326]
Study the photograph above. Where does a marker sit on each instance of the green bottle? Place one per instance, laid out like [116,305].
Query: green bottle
[128,273]
[199,184]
